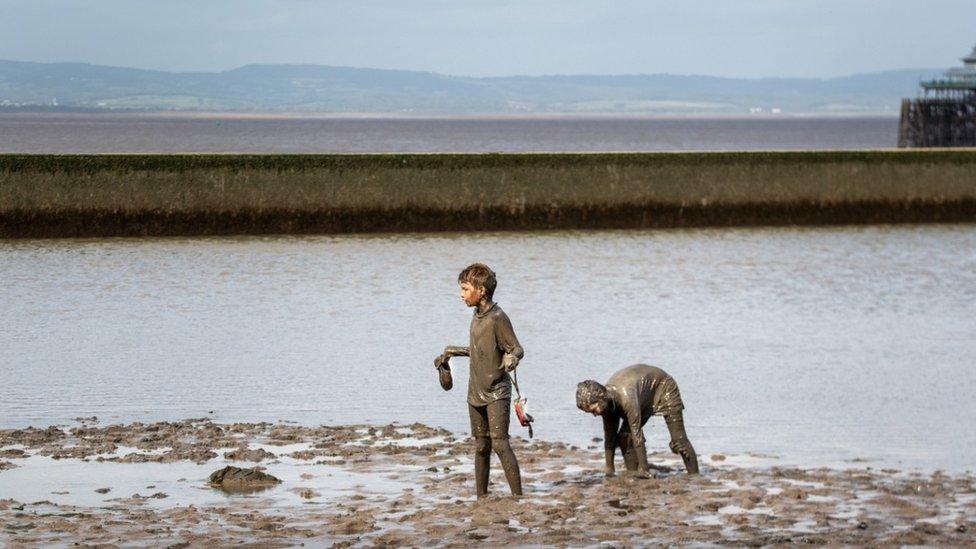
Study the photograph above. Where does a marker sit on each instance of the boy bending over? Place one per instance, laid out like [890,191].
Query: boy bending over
[629,398]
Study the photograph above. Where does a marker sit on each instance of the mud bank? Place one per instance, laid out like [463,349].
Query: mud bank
[414,488]
[191,194]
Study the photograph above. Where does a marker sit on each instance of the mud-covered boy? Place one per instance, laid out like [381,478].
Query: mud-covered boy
[494,351]
[627,400]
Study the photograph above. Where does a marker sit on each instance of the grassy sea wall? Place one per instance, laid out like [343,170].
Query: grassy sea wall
[197,194]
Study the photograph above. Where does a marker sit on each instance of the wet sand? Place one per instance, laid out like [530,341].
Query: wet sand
[361,485]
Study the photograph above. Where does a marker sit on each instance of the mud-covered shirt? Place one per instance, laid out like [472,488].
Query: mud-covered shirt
[491,337]
[640,391]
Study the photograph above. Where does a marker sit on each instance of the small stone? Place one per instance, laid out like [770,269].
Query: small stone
[238,479]
[243,454]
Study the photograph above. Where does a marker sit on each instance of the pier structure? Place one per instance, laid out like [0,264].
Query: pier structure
[945,115]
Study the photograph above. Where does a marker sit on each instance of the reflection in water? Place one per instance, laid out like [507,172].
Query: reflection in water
[817,345]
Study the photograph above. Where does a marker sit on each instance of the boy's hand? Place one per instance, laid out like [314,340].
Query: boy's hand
[441,361]
[509,362]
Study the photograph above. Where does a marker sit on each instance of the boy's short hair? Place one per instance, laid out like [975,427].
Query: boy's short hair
[479,276]
[590,392]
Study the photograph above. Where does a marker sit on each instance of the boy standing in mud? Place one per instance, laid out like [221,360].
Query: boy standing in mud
[629,398]
[494,351]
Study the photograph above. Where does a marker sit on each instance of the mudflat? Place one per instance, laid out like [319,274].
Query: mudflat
[411,484]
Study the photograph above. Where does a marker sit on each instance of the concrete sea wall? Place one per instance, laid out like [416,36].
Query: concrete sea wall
[197,194]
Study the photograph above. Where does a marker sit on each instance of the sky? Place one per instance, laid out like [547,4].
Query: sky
[730,38]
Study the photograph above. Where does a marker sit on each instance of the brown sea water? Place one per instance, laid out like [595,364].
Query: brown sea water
[818,345]
[94,133]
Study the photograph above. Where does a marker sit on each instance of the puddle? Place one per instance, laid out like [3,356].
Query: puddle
[40,478]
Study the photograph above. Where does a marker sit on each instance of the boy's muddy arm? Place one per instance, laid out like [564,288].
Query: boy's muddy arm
[610,423]
[637,439]
[509,362]
[442,361]
[643,469]
[456,350]
[450,351]
[508,344]
[630,410]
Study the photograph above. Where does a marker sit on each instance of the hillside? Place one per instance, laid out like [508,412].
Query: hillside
[316,88]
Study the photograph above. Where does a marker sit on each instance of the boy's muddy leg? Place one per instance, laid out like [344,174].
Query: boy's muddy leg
[510,464]
[680,443]
[482,447]
[627,449]
[499,418]
[482,459]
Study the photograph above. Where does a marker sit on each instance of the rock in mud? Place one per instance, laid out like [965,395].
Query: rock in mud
[237,479]
[243,454]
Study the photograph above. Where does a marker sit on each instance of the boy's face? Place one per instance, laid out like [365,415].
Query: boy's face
[596,409]
[470,295]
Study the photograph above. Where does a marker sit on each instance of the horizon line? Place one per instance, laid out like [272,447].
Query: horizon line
[434,73]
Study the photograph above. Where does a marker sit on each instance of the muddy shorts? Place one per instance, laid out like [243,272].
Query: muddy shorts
[668,398]
[491,420]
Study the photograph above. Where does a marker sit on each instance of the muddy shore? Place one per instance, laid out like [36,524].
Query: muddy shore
[362,485]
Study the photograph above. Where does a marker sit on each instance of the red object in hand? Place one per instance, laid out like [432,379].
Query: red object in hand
[525,419]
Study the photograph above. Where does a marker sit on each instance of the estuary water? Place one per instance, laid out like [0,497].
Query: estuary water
[819,346]
[107,133]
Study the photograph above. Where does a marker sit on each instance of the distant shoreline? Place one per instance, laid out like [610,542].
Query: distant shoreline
[351,91]
[319,115]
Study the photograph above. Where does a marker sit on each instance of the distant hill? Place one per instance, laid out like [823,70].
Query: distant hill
[317,88]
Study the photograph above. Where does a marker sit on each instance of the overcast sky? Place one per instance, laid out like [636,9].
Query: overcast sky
[744,38]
